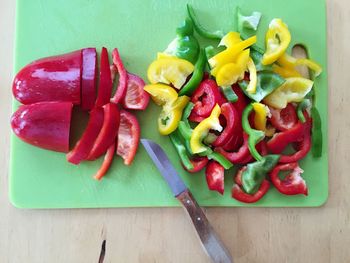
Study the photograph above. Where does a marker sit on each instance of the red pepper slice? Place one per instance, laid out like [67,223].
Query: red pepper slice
[239,157]
[136,98]
[88,78]
[232,123]
[83,147]
[284,119]
[198,164]
[241,102]
[123,77]
[293,183]
[214,174]
[128,136]
[205,97]
[44,124]
[107,161]
[239,194]
[302,148]
[56,78]
[108,131]
[105,84]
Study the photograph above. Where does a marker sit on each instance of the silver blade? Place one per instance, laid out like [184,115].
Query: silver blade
[165,167]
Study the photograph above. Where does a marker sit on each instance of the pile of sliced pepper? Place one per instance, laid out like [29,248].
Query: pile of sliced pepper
[237,105]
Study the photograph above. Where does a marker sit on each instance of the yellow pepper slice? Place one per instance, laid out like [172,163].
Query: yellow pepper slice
[290,62]
[170,70]
[277,40]
[253,77]
[232,72]
[230,39]
[161,94]
[230,54]
[202,129]
[285,72]
[293,90]
[261,114]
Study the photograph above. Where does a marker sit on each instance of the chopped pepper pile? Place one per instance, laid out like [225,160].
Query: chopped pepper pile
[238,105]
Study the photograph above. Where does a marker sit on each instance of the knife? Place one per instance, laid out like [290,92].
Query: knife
[211,243]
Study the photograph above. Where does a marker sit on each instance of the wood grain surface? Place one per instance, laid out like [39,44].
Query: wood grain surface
[165,235]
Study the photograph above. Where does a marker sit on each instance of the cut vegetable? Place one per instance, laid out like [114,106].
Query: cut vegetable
[88,78]
[214,174]
[107,161]
[105,84]
[123,77]
[136,98]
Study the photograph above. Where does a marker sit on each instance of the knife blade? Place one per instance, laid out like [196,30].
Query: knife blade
[213,246]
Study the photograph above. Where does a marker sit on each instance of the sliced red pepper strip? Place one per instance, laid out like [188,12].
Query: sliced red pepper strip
[107,161]
[198,164]
[284,119]
[108,132]
[205,97]
[293,183]
[214,174]
[123,77]
[239,194]
[88,78]
[128,136]
[232,123]
[83,147]
[195,118]
[240,156]
[136,98]
[241,103]
[105,83]
[302,147]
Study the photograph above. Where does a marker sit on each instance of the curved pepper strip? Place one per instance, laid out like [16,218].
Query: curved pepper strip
[306,103]
[290,63]
[105,82]
[202,130]
[260,116]
[107,161]
[222,160]
[255,136]
[257,58]
[197,75]
[283,119]
[286,72]
[293,183]
[230,39]
[247,25]
[200,29]
[198,164]
[316,133]
[252,76]
[214,174]
[240,156]
[123,77]
[181,150]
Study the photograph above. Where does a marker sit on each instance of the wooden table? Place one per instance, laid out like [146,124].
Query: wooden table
[165,234]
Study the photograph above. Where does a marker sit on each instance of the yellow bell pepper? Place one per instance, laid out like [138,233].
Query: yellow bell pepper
[293,90]
[230,54]
[277,41]
[170,116]
[285,72]
[253,77]
[261,114]
[170,70]
[202,129]
[230,39]
[290,62]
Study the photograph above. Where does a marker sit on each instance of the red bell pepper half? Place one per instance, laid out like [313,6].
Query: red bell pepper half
[88,78]
[108,132]
[128,136]
[205,97]
[107,161]
[284,119]
[56,78]
[44,124]
[83,147]
[239,194]
[123,77]
[105,84]
[136,98]
[293,183]
[198,164]
[214,174]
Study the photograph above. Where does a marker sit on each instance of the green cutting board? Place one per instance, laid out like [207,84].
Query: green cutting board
[140,28]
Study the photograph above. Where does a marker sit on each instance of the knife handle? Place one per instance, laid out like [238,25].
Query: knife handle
[210,241]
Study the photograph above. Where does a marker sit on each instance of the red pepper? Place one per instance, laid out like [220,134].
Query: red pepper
[238,193]
[232,121]
[83,147]
[198,164]
[293,183]
[107,161]
[136,98]
[241,102]
[239,157]
[128,136]
[44,124]
[108,132]
[88,78]
[105,83]
[205,97]
[55,78]
[214,174]
[284,119]
[302,148]
[123,77]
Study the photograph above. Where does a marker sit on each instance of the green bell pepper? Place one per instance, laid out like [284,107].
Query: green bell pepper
[197,75]
[306,103]
[185,127]
[220,159]
[256,172]
[257,57]
[181,150]
[247,25]
[316,133]
[255,136]
[229,94]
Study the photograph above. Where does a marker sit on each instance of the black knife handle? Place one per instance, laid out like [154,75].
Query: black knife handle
[212,244]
